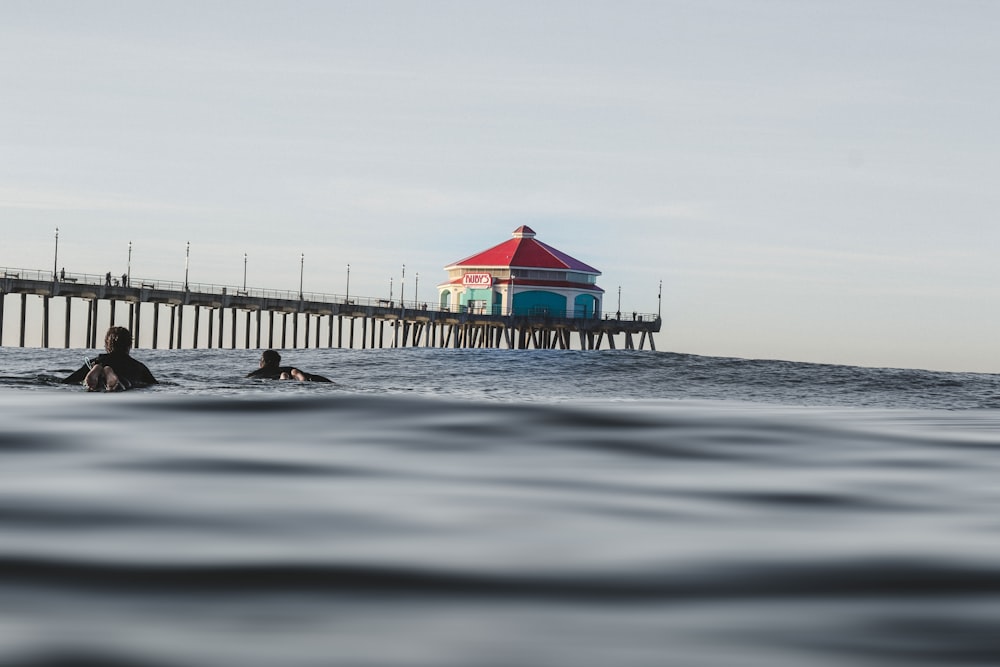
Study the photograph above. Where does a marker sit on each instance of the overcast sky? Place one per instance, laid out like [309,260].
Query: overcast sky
[813,181]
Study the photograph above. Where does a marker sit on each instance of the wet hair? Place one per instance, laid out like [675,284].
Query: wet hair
[118,339]
[270,358]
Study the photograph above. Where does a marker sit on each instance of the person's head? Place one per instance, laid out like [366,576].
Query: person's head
[270,358]
[118,339]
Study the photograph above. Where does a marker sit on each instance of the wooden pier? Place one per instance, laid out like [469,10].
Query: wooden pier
[169,315]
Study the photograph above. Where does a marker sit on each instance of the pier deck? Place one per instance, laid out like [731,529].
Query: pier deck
[409,325]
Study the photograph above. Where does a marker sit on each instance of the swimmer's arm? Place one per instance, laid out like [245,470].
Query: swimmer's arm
[147,376]
[302,376]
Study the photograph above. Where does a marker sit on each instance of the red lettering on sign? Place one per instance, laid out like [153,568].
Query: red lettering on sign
[477,280]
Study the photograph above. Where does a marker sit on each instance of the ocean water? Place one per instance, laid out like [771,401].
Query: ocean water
[492,507]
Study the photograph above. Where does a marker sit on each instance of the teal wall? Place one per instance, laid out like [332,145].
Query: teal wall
[585,306]
[540,303]
[477,295]
[445,301]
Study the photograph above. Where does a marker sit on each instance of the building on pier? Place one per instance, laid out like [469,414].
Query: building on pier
[522,276]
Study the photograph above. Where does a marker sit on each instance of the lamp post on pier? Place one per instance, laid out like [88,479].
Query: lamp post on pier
[347,292]
[390,289]
[659,300]
[416,289]
[402,289]
[128,267]
[55,261]
[244,273]
[302,269]
[187,260]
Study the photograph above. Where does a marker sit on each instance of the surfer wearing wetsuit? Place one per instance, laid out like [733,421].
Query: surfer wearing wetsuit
[271,369]
[115,370]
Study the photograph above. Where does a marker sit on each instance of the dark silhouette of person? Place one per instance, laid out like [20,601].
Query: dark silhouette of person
[62,273]
[107,279]
[115,370]
[124,280]
[271,369]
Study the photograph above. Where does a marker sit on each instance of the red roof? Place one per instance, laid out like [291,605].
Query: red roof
[524,251]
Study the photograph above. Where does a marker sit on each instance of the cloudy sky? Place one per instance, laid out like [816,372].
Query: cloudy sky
[813,181]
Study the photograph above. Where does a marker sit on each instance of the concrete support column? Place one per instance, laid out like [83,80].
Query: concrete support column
[69,302]
[173,317]
[222,318]
[24,314]
[180,326]
[135,332]
[197,318]
[246,345]
[211,327]
[45,321]
[90,324]
[156,323]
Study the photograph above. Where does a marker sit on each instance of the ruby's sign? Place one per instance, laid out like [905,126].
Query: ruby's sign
[477,280]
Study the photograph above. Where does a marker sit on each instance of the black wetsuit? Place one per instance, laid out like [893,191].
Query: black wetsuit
[131,373]
[274,373]
[270,372]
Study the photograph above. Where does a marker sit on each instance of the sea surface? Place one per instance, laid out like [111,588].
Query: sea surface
[474,508]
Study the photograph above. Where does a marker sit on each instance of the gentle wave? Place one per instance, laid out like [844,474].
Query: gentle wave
[829,581]
[542,375]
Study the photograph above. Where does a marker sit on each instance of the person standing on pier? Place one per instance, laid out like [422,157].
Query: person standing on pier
[271,369]
[115,370]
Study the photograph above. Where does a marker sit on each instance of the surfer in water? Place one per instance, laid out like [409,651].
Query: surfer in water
[115,370]
[271,369]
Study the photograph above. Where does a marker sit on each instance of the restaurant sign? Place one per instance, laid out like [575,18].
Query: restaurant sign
[477,280]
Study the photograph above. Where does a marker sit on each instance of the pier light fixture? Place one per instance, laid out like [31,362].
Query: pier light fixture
[128,267]
[402,289]
[347,292]
[390,289]
[55,261]
[187,259]
[244,272]
[416,289]
[302,269]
